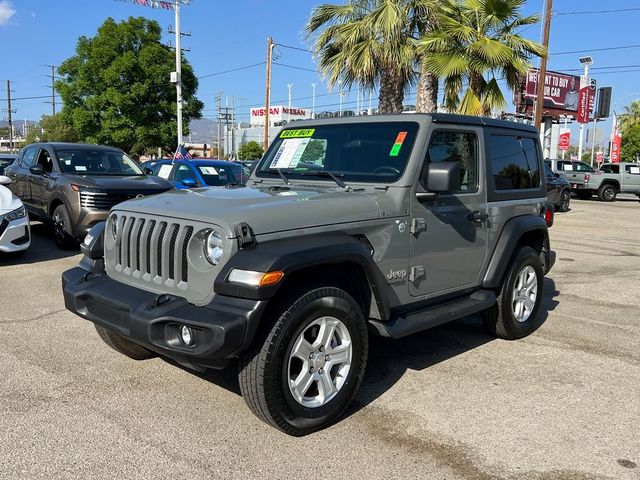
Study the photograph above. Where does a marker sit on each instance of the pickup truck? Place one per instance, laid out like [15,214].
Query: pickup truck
[612,179]
[577,174]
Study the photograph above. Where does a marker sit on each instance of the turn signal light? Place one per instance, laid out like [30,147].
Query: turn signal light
[271,278]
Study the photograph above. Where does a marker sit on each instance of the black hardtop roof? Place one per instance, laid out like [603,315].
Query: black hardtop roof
[77,146]
[407,117]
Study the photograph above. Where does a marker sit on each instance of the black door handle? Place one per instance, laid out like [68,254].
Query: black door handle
[478,217]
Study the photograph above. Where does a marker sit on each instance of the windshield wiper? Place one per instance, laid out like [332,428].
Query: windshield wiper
[332,176]
[282,175]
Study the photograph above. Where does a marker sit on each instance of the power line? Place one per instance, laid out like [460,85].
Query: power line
[13,99]
[295,67]
[294,48]
[622,47]
[588,12]
[232,70]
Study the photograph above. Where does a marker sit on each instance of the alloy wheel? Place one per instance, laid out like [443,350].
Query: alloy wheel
[525,292]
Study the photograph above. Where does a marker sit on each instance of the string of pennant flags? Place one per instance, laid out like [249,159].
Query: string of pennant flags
[161,4]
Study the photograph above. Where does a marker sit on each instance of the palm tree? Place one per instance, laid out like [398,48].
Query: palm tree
[631,116]
[424,16]
[475,38]
[367,43]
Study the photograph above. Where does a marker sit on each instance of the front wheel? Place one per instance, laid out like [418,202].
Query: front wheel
[62,231]
[309,367]
[565,199]
[517,308]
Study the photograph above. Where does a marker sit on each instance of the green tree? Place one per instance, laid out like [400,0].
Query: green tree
[631,116]
[366,43]
[474,41]
[630,150]
[52,128]
[116,89]
[250,151]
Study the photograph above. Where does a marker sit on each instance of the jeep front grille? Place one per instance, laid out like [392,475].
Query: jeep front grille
[155,251]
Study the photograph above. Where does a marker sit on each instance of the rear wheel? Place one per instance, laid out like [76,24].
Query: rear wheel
[565,199]
[607,193]
[309,367]
[124,346]
[517,308]
[62,231]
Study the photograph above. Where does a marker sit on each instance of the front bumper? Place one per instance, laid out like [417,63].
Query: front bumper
[15,236]
[86,219]
[222,329]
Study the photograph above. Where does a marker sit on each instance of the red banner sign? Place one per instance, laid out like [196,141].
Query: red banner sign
[564,141]
[616,143]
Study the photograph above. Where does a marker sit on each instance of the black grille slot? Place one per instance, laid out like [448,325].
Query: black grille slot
[163,229]
[185,263]
[152,226]
[172,247]
[122,222]
[138,249]
[127,239]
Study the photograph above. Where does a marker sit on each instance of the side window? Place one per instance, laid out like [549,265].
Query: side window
[460,147]
[514,163]
[565,166]
[184,172]
[28,157]
[44,159]
[548,172]
[633,169]
[610,168]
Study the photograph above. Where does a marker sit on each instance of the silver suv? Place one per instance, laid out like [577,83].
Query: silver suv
[379,225]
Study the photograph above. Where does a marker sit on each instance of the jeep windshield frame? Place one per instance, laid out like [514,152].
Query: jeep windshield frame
[367,152]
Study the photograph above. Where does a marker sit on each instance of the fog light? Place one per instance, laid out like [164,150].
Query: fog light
[186,335]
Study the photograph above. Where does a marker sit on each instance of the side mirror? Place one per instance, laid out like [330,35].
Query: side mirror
[147,171]
[5,180]
[442,177]
[37,169]
[189,182]
[557,175]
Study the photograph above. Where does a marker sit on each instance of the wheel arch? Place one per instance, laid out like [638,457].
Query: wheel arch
[526,230]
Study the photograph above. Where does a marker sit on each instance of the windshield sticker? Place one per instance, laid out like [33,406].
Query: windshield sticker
[290,152]
[397,145]
[80,168]
[209,170]
[634,170]
[301,133]
[165,171]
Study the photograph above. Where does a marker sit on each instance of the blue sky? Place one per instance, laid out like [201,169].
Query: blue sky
[227,35]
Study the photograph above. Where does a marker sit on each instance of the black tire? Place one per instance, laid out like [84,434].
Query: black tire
[584,194]
[264,373]
[123,346]
[607,192]
[500,319]
[62,231]
[565,200]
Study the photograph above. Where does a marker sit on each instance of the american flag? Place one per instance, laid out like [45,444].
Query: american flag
[181,153]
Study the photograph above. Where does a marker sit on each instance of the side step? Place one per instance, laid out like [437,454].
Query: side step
[437,315]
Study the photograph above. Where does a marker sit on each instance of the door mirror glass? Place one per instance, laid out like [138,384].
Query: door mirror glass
[37,169]
[189,182]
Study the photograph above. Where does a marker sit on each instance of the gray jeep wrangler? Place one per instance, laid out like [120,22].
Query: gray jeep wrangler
[381,225]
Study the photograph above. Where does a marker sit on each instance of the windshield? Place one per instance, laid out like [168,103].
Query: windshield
[218,175]
[358,152]
[86,161]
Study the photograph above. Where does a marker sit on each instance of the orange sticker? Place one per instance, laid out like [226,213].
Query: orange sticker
[400,138]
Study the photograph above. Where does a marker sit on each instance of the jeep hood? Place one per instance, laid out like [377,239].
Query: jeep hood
[265,209]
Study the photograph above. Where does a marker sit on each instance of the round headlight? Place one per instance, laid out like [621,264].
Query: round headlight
[213,247]
[114,226]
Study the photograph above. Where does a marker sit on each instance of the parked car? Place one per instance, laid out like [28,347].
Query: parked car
[577,173]
[613,178]
[196,173]
[5,161]
[558,190]
[15,233]
[73,186]
[291,274]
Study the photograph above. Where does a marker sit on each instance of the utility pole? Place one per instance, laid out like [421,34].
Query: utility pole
[233,127]
[53,87]
[543,66]
[218,107]
[267,101]
[10,113]
[178,72]
[313,101]
[341,95]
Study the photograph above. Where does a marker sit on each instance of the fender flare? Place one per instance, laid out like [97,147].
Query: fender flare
[506,245]
[294,254]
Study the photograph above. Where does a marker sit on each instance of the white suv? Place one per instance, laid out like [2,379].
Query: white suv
[15,233]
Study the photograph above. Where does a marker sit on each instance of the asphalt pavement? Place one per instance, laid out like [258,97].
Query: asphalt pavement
[450,403]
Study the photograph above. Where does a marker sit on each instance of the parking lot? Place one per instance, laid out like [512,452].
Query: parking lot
[450,403]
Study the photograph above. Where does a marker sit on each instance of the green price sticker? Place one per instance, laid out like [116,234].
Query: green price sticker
[300,133]
[395,150]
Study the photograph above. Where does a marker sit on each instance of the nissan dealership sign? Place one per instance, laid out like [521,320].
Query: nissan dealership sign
[278,114]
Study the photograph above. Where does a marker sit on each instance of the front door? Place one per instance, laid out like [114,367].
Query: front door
[39,183]
[449,233]
[19,174]
[631,179]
